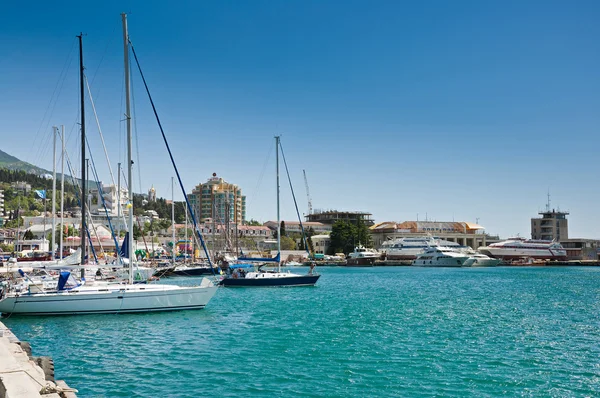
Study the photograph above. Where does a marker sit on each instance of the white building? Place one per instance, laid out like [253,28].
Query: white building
[111,199]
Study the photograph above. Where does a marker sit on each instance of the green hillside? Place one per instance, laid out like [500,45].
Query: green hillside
[12,163]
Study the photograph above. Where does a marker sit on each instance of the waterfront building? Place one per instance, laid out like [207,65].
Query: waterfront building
[217,198]
[462,233]
[331,216]
[294,226]
[552,225]
[321,243]
[581,249]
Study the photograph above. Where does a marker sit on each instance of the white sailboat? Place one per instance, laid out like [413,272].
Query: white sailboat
[103,297]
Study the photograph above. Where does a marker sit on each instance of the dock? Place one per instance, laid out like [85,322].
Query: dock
[25,376]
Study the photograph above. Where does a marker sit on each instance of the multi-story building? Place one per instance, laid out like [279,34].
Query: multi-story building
[111,199]
[331,216]
[553,225]
[217,198]
[463,233]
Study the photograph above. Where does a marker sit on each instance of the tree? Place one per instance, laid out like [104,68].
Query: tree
[283,228]
[253,223]
[287,243]
[346,235]
[28,235]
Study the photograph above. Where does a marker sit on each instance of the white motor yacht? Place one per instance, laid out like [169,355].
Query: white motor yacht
[362,257]
[440,256]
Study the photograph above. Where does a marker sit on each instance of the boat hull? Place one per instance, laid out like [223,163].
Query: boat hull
[482,262]
[542,254]
[361,262]
[109,300]
[445,262]
[193,272]
[296,280]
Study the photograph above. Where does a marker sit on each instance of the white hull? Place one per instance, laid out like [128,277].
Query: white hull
[481,262]
[440,257]
[509,253]
[445,262]
[403,254]
[109,298]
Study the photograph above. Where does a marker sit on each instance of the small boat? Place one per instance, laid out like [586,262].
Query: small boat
[362,257]
[477,259]
[238,277]
[440,256]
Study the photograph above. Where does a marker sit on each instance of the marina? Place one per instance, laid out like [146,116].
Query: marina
[163,243]
[377,331]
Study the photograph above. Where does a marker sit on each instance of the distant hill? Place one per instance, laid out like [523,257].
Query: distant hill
[12,163]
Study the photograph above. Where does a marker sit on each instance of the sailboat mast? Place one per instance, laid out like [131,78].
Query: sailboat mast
[83,180]
[129,164]
[173,215]
[278,215]
[62,188]
[53,242]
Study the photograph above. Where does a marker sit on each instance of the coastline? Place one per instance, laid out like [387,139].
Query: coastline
[25,376]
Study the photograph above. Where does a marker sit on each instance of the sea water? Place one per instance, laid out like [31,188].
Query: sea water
[370,332]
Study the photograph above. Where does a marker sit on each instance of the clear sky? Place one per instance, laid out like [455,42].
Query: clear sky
[459,110]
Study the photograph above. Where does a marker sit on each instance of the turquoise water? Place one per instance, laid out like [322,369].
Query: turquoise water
[369,332]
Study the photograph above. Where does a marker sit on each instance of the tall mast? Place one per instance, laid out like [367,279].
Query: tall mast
[129,163]
[186,234]
[119,199]
[83,181]
[278,215]
[62,188]
[173,215]
[53,242]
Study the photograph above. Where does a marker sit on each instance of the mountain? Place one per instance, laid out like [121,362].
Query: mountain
[12,163]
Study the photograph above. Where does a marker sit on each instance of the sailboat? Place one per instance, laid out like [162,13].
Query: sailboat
[72,297]
[261,278]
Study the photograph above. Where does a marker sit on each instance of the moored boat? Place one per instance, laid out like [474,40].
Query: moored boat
[362,257]
[515,248]
[440,256]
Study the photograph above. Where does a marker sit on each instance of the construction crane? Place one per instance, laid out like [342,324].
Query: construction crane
[307,193]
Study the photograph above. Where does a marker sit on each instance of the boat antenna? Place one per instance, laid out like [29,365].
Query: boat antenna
[83,182]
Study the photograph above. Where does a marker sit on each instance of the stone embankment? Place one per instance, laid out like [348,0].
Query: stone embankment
[25,376]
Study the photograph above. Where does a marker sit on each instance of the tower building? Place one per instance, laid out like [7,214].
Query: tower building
[219,200]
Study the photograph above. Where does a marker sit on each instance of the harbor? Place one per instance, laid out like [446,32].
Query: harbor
[377,331]
[292,199]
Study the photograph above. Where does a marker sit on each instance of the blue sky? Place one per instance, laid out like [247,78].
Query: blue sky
[459,110]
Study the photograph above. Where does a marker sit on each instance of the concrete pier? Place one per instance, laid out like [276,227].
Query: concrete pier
[24,376]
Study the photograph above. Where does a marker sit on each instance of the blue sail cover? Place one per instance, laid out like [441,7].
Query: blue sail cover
[62,279]
[124,251]
[268,260]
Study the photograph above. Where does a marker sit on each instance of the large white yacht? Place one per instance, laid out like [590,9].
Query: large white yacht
[440,256]
[407,248]
[521,247]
